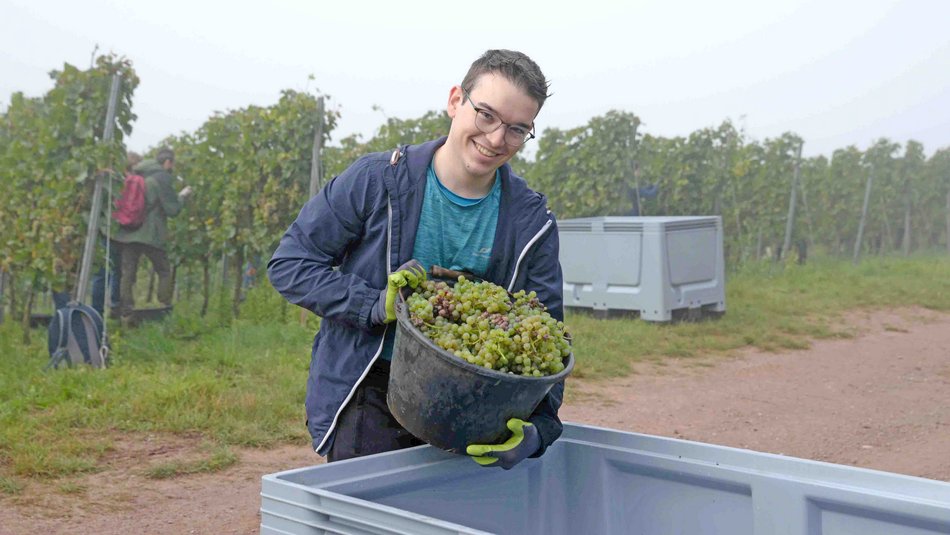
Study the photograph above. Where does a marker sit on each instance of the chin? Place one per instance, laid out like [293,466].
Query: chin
[481,166]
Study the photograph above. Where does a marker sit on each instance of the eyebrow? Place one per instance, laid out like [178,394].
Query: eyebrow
[488,107]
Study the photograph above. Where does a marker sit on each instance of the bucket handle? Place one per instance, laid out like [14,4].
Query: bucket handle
[439,272]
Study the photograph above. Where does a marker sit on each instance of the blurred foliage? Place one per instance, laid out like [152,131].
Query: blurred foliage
[51,150]
[251,168]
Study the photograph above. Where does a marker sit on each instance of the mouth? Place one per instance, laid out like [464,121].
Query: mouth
[484,151]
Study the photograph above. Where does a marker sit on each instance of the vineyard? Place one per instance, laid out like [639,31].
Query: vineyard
[253,168]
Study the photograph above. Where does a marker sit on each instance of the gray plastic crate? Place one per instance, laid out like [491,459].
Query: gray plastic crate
[650,265]
[602,481]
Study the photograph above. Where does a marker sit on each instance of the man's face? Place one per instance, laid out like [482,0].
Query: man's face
[168,165]
[480,154]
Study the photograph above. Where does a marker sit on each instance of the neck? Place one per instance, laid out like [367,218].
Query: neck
[457,179]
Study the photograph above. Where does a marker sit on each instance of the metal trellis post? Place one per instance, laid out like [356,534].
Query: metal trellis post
[108,132]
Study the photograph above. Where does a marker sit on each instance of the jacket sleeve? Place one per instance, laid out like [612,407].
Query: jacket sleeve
[545,278]
[303,268]
[167,197]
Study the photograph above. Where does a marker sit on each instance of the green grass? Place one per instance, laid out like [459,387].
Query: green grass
[240,385]
[10,486]
[221,458]
[71,487]
[229,384]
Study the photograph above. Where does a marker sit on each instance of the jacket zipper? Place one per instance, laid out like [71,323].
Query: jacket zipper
[514,274]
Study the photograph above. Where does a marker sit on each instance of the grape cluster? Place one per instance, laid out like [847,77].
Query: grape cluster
[483,324]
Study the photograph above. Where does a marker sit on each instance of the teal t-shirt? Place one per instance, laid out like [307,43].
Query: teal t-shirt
[454,232]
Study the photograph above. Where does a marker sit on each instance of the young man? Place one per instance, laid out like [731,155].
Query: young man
[452,202]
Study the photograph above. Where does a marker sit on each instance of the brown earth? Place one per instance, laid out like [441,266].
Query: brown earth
[879,400]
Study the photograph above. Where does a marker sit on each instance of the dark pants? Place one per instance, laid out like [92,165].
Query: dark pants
[366,426]
[99,281]
[61,299]
[131,252]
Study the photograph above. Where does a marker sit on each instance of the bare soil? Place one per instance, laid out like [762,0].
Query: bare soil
[879,400]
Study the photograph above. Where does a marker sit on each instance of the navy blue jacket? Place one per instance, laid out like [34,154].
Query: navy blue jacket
[336,256]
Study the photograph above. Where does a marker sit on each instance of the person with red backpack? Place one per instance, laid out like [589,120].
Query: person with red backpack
[126,198]
[148,237]
[130,206]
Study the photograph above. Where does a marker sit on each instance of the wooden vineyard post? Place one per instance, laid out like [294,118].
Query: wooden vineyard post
[793,198]
[905,241]
[726,169]
[175,285]
[316,170]
[808,219]
[316,165]
[238,282]
[635,167]
[27,312]
[864,216]
[3,280]
[758,245]
[206,289]
[11,284]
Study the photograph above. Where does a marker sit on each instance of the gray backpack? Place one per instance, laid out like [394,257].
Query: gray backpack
[75,336]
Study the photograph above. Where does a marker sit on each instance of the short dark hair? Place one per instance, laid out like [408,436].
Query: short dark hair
[165,154]
[516,67]
[131,160]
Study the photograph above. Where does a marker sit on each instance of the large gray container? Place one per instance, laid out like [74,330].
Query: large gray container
[650,265]
[600,481]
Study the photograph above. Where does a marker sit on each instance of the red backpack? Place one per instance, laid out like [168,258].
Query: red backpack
[130,207]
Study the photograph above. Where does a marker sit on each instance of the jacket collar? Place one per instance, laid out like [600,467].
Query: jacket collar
[420,156]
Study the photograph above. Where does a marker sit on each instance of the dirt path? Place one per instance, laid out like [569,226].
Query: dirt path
[880,400]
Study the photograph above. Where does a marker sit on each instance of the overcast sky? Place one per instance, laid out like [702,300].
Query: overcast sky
[834,72]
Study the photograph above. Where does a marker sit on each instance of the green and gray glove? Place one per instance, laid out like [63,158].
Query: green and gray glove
[412,274]
[524,441]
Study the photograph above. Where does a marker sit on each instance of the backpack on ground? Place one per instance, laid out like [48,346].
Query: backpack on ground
[130,206]
[75,337]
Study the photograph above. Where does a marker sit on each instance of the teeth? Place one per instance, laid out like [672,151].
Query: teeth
[484,151]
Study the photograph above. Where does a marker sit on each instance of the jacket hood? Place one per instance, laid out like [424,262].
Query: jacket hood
[148,167]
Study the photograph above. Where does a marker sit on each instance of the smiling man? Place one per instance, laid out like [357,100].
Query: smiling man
[452,202]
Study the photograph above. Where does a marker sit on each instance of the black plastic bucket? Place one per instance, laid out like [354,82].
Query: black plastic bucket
[450,403]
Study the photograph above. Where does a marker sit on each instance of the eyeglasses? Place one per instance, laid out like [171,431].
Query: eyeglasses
[487,122]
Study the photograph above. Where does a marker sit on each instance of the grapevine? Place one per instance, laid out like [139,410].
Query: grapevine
[483,324]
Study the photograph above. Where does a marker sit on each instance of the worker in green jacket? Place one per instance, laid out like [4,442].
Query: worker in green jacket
[150,238]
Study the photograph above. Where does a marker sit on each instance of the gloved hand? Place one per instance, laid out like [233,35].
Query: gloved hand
[524,441]
[411,273]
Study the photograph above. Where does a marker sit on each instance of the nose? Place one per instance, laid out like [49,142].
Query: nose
[497,138]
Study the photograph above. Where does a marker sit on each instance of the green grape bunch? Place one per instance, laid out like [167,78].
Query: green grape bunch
[481,323]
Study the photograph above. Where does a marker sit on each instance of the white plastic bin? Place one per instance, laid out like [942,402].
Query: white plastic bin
[600,481]
[650,265]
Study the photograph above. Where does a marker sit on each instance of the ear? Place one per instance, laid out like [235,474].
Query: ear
[455,101]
